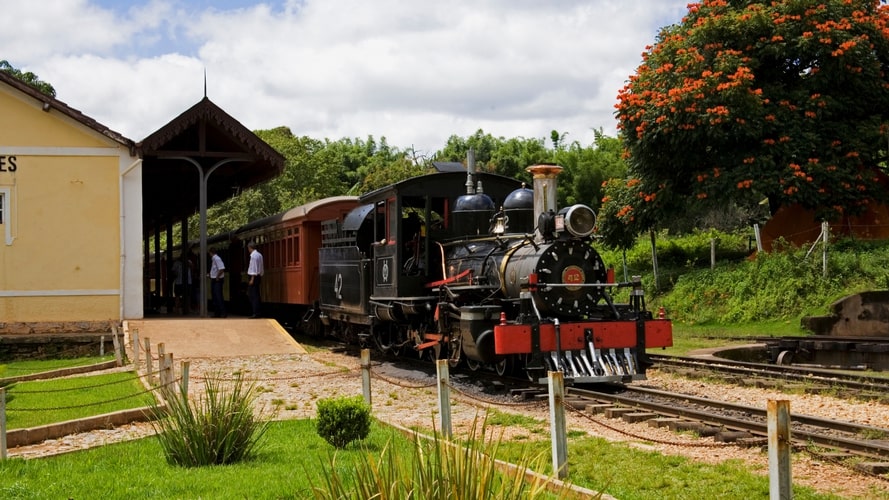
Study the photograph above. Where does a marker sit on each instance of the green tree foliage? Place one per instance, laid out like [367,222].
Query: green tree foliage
[28,77]
[585,167]
[745,100]
[313,169]
[316,169]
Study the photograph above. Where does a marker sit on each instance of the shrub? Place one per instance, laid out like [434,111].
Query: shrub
[343,420]
[219,428]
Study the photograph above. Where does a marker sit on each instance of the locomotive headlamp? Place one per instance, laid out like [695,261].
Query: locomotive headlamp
[580,220]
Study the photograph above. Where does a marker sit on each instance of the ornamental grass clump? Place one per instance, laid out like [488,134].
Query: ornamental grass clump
[435,468]
[343,420]
[218,428]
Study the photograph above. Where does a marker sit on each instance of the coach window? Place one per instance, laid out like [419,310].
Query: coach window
[393,220]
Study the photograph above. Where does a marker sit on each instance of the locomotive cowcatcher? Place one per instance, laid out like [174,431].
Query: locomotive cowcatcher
[478,268]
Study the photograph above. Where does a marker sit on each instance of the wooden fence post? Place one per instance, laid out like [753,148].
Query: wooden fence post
[825,231]
[758,235]
[444,397]
[169,375]
[2,423]
[148,360]
[116,343]
[780,483]
[183,384]
[712,253]
[101,346]
[161,364]
[651,235]
[137,347]
[557,423]
[365,376]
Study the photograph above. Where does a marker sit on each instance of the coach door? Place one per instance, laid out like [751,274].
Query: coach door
[386,250]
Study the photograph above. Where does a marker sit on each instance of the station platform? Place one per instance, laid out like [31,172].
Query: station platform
[189,338]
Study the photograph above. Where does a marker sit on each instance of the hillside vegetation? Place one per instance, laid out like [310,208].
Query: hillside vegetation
[746,287]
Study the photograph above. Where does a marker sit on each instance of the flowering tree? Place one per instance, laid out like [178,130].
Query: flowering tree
[746,100]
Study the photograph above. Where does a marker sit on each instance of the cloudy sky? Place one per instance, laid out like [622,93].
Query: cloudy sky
[414,71]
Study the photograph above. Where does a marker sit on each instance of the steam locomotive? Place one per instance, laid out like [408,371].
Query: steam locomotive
[479,269]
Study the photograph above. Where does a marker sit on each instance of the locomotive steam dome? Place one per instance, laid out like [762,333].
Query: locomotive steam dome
[519,208]
[472,214]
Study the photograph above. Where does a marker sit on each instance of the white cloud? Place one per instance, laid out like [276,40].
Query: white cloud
[415,72]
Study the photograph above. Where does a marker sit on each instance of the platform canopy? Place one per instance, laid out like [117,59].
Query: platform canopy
[203,135]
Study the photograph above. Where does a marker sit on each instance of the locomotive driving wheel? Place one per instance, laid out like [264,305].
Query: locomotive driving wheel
[503,366]
[534,373]
[313,327]
[473,364]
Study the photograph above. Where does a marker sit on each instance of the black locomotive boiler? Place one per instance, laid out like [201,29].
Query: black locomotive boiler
[478,268]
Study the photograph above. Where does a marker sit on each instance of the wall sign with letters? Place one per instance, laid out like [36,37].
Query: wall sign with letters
[8,163]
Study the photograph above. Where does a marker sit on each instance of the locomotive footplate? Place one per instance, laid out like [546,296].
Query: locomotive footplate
[587,351]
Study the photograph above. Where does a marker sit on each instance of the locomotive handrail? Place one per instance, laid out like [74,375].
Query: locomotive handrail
[448,280]
[579,285]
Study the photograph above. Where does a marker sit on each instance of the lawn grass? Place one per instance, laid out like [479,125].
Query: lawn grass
[632,474]
[27,406]
[29,366]
[293,459]
[687,338]
[289,462]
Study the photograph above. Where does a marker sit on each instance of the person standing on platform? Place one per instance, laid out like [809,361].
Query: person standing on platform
[254,273]
[217,277]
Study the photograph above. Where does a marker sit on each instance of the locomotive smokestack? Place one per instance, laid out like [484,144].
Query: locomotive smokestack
[470,171]
[544,188]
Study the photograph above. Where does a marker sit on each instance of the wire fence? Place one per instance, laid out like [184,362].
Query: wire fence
[161,380]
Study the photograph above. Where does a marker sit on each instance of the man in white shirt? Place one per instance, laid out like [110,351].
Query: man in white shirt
[217,277]
[254,273]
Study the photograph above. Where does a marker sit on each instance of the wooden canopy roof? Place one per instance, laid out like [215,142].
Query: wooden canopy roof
[206,135]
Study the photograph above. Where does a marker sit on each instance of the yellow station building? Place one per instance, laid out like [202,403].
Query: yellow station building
[80,203]
[70,213]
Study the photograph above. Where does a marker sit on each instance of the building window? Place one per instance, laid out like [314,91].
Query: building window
[6,220]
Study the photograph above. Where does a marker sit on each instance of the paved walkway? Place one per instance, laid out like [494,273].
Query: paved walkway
[189,338]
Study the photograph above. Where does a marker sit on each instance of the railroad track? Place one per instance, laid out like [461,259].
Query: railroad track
[726,422]
[808,379]
[732,421]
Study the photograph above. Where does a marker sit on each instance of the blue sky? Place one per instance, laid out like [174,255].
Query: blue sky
[415,72]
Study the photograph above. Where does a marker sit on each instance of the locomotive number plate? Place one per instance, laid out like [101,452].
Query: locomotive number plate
[573,275]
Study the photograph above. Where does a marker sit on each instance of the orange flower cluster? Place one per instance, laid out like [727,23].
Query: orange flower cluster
[745,184]
[624,211]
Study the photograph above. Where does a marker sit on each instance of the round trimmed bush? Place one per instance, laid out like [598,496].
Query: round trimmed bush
[343,420]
